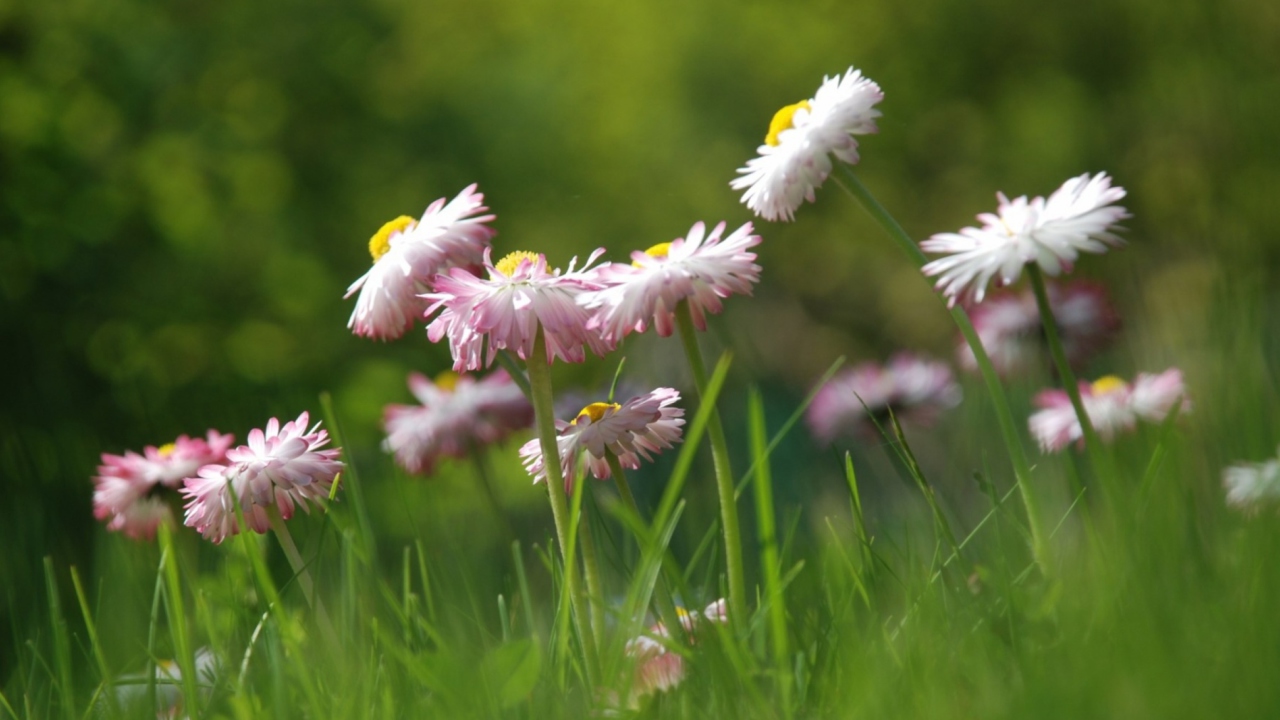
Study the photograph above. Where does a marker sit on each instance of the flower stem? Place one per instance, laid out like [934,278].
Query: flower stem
[544,413]
[300,570]
[724,473]
[591,568]
[1004,416]
[620,478]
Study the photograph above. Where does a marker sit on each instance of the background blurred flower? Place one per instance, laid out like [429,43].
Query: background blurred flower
[794,159]
[1008,323]
[1078,217]
[658,669]
[130,489]
[1113,406]
[407,254]
[457,413]
[640,427]
[1250,485]
[915,389]
[699,268]
[280,466]
[519,296]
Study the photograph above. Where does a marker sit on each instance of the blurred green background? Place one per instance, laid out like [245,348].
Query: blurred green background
[187,189]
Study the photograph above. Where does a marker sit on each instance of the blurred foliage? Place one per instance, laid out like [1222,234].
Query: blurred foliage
[186,189]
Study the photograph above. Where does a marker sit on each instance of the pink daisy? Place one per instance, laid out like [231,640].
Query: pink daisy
[1078,217]
[915,389]
[457,413]
[1008,324]
[641,426]
[506,309]
[657,668]
[408,253]
[130,489]
[280,466]
[699,268]
[1112,404]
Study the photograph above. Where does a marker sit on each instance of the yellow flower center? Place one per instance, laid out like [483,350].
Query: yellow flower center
[380,243]
[1109,383]
[595,411]
[447,380]
[509,264]
[657,251]
[782,121]
[166,450]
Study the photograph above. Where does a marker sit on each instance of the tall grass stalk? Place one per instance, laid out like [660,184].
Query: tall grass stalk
[61,643]
[770,569]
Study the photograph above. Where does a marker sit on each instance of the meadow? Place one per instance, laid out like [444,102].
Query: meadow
[839,431]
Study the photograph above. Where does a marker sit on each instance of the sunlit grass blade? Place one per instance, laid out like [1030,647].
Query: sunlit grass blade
[176,605]
[61,643]
[99,656]
[767,538]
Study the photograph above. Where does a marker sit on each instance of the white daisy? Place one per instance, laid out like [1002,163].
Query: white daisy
[1112,404]
[1078,217]
[1251,484]
[794,159]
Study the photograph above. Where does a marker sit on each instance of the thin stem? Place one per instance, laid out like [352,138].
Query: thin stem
[1004,416]
[544,413]
[481,463]
[620,478]
[300,570]
[724,473]
[591,567]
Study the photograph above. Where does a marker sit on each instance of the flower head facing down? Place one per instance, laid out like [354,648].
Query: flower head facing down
[519,296]
[1008,324]
[408,253]
[700,269]
[795,158]
[281,466]
[457,413]
[639,428]
[915,389]
[1080,216]
[129,489]
[1252,485]
[1113,406]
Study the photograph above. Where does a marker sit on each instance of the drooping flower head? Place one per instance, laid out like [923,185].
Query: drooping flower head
[1008,323]
[131,489]
[457,413]
[658,669]
[408,253]
[1252,485]
[1112,405]
[795,157]
[699,268]
[639,428]
[519,296]
[1078,217]
[915,389]
[281,466]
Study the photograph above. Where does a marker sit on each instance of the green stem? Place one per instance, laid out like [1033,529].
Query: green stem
[591,568]
[481,463]
[544,413]
[1004,416]
[620,478]
[724,473]
[300,571]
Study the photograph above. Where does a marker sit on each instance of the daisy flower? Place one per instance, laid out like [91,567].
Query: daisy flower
[1250,485]
[658,669]
[1112,404]
[795,157]
[699,268]
[915,389]
[457,413]
[280,466]
[408,253]
[130,489]
[644,425]
[1078,217]
[1008,324]
[507,308]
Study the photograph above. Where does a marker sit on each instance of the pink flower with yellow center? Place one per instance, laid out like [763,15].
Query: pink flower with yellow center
[639,428]
[457,414]
[700,269]
[130,490]
[657,668]
[1113,406]
[408,253]
[1078,217]
[913,388]
[506,309]
[795,158]
[281,466]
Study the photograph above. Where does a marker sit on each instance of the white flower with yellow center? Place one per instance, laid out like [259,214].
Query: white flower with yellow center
[1078,217]
[795,157]
[640,427]
[1112,404]
[407,255]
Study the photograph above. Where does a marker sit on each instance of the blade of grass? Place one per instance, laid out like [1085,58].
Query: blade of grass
[766,530]
[355,487]
[98,655]
[177,615]
[61,642]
